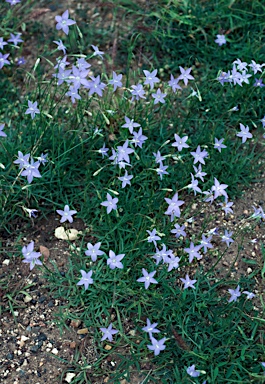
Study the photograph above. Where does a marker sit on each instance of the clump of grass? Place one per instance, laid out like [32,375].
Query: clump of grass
[121,160]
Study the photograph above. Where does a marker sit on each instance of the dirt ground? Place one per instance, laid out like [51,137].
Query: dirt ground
[32,348]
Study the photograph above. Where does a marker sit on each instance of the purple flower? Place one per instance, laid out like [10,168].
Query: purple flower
[13,2]
[226,238]
[150,328]
[179,231]
[124,152]
[21,61]
[199,172]
[2,43]
[159,96]
[3,134]
[82,64]
[263,121]
[61,47]
[219,144]
[93,251]
[73,93]
[226,206]
[3,59]
[199,155]
[43,158]
[244,133]
[173,83]
[185,75]
[250,295]
[78,77]
[205,243]
[173,206]
[31,170]
[15,39]
[137,92]
[125,179]
[150,78]
[219,189]
[161,170]
[95,86]
[22,160]
[139,138]
[110,203]
[66,214]
[188,283]
[116,81]
[157,345]
[163,254]
[103,151]
[158,157]
[63,22]
[192,371]
[180,142]
[255,67]
[220,40]
[130,124]
[86,278]
[61,63]
[241,66]
[30,255]
[236,76]
[147,278]
[63,75]
[224,78]
[258,83]
[32,109]
[31,212]
[194,185]
[114,261]
[152,236]
[235,293]
[245,77]
[108,332]
[193,251]
[258,213]
[97,52]
[173,262]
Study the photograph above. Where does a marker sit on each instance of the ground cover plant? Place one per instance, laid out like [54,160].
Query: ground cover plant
[145,154]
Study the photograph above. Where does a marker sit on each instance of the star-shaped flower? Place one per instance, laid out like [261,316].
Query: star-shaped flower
[185,75]
[188,283]
[151,78]
[93,251]
[66,214]
[108,332]
[2,133]
[86,279]
[32,109]
[157,345]
[114,261]
[235,293]
[244,133]
[193,251]
[150,328]
[110,203]
[63,22]
[147,278]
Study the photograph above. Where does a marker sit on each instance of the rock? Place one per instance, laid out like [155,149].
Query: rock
[69,377]
[45,252]
[41,337]
[27,299]
[75,323]
[55,351]
[69,234]
[82,331]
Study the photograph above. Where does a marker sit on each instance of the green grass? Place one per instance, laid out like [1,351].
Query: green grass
[225,341]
